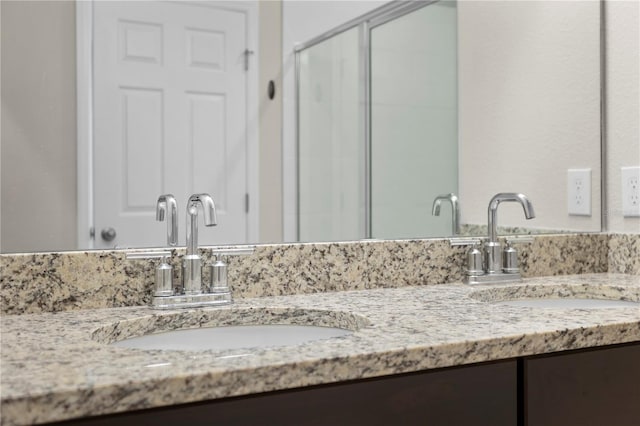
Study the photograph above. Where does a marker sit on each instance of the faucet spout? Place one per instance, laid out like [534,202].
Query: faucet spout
[167,206]
[209,215]
[192,265]
[455,210]
[493,210]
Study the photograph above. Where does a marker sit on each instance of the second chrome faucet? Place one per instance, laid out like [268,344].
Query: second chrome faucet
[492,263]
[493,248]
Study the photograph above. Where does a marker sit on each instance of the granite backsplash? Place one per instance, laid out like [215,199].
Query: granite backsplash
[52,282]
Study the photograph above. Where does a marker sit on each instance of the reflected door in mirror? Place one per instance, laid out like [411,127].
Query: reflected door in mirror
[170,117]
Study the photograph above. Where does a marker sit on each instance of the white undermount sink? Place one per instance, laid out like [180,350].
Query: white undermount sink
[561,296]
[569,303]
[233,337]
[227,329]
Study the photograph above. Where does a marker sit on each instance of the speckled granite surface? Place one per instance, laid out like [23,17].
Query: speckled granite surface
[56,282]
[468,229]
[53,369]
[564,254]
[624,253]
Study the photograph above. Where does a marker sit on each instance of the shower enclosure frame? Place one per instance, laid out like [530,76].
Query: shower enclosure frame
[366,23]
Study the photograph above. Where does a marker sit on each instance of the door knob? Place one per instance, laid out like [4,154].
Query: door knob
[108,234]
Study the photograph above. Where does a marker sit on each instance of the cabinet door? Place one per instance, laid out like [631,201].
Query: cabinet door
[483,394]
[596,387]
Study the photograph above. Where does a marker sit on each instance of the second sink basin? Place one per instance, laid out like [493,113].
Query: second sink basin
[569,303]
[561,296]
[227,329]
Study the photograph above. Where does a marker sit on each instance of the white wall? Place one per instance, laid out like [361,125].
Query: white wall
[622,104]
[529,78]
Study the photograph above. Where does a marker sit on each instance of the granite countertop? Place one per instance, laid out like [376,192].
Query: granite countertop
[57,366]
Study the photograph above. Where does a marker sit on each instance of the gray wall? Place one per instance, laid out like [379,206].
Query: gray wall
[38,129]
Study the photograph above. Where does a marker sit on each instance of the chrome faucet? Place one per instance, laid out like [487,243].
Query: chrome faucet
[455,210]
[217,291]
[493,264]
[167,206]
[493,210]
[192,265]
[192,293]
[493,248]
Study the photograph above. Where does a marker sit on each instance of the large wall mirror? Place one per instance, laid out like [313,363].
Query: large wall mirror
[384,107]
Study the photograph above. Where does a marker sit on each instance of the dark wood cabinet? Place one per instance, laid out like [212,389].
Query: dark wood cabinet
[594,387]
[588,387]
[483,394]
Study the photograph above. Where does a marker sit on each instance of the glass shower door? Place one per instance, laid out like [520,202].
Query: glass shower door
[414,126]
[377,126]
[330,140]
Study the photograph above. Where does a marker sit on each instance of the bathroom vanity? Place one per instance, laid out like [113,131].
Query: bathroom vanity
[597,386]
[420,345]
[444,353]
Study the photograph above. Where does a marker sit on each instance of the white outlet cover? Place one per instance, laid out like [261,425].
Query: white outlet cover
[579,192]
[630,191]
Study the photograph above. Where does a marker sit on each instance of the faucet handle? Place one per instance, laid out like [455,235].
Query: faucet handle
[475,259]
[164,271]
[510,254]
[218,269]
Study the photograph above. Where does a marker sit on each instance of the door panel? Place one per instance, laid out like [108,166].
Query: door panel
[170,116]
[142,142]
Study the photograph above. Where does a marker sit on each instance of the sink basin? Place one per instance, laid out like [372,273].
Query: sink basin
[233,337]
[563,296]
[226,329]
[569,303]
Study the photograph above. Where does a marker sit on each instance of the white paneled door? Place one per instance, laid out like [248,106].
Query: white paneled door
[170,116]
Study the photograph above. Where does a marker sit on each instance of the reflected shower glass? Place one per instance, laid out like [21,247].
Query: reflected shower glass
[414,122]
[330,135]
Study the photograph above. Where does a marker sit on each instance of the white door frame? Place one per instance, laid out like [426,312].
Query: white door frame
[84,117]
[84,78]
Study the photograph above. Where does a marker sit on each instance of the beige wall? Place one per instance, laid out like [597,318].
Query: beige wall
[270,122]
[622,104]
[38,136]
[529,108]
[622,98]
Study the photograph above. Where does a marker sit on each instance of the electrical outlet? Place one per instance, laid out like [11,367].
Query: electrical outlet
[630,191]
[579,192]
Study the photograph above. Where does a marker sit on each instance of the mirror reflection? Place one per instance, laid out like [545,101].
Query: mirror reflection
[375,152]
[376,122]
